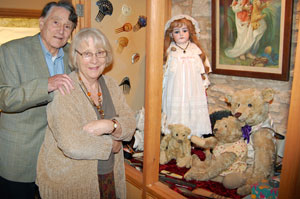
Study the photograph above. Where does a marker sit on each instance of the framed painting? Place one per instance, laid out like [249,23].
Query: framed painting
[17,23]
[251,38]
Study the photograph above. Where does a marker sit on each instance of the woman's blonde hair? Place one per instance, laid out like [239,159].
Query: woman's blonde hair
[99,39]
[193,36]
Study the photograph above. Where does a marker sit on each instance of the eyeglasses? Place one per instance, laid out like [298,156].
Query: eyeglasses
[89,55]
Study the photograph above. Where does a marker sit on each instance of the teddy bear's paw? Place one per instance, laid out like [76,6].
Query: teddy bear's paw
[188,162]
[163,158]
[184,162]
[195,160]
[244,190]
[189,175]
[230,157]
[201,176]
[234,180]
[194,174]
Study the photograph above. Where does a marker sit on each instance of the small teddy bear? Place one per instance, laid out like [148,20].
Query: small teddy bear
[176,145]
[229,153]
[252,107]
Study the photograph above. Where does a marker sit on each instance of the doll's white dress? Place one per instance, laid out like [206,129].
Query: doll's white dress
[184,98]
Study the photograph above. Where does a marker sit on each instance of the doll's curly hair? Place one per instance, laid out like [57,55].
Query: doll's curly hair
[193,36]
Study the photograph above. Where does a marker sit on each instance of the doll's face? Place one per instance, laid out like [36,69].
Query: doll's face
[181,34]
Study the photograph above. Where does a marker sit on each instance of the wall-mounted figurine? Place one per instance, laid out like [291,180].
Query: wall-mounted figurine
[127,27]
[135,58]
[126,85]
[105,8]
[122,43]
[142,22]
[126,10]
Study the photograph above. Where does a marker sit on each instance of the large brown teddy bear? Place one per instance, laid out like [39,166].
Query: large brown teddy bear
[176,146]
[229,153]
[252,107]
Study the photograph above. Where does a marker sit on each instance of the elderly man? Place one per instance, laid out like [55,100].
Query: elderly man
[31,68]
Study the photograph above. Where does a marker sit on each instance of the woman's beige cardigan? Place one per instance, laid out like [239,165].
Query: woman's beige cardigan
[67,163]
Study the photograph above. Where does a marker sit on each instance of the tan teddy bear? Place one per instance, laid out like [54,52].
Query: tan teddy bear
[176,145]
[252,107]
[229,153]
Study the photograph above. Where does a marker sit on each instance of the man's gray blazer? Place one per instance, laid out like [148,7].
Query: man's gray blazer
[23,98]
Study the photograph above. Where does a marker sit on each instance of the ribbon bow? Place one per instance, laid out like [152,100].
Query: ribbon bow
[246,132]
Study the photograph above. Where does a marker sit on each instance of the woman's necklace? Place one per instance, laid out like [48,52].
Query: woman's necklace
[99,107]
[184,49]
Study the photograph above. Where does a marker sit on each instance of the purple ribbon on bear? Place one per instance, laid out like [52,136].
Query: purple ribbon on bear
[246,132]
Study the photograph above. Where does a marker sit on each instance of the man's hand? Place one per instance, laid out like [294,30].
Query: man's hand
[61,82]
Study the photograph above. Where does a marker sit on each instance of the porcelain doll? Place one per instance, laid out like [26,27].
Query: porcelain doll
[185,79]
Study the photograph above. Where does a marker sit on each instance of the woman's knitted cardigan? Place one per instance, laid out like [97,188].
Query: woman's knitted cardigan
[67,163]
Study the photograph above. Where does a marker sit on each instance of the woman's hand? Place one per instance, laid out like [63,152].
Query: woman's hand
[99,127]
[116,147]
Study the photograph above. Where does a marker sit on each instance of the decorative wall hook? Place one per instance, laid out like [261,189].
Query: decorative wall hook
[126,85]
[135,58]
[126,27]
[105,8]
[126,10]
[123,42]
[142,22]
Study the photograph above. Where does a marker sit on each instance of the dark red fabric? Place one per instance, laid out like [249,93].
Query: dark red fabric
[107,186]
[215,187]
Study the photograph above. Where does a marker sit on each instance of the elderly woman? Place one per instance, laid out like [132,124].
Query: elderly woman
[81,156]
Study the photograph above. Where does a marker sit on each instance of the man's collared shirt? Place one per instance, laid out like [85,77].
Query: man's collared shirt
[55,64]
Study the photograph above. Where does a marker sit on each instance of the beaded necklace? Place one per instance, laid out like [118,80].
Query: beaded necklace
[99,107]
[184,49]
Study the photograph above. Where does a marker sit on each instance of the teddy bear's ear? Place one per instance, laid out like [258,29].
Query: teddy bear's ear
[188,130]
[268,95]
[170,126]
[228,99]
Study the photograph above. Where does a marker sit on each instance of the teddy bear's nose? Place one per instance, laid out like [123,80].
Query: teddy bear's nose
[215,130]
[237,115]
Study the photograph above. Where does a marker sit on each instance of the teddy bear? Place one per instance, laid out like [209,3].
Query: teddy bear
[176,145]
[256,14]
[251,106]
[139,132]
[229,153]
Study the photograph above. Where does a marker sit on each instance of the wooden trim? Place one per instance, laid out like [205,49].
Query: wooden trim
[134,176]
[11,12]
[290,176]
[87,13]
[85,21]
[159,190]
[153,89]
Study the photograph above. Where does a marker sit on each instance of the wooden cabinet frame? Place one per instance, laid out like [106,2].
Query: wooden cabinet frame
[158,11]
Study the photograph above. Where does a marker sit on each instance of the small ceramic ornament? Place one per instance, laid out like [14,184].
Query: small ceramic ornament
[142,22]
[126,85]
[105,8]
[135,58]
[125,28]
[122,43]
[126,10]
